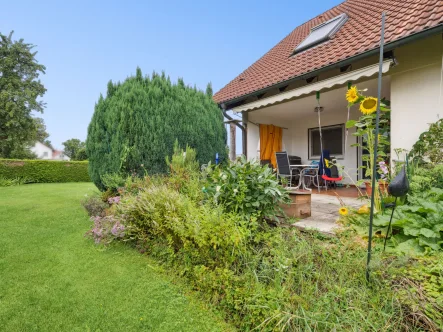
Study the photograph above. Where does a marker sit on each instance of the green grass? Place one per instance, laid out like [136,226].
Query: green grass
[52,278]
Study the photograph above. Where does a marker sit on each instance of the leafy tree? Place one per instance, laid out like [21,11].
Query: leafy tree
[41,134]
[20,92]
[73,148]
[135,126]
[81,154]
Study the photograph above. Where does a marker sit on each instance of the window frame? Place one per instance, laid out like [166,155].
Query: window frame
[337,156]
[341,20]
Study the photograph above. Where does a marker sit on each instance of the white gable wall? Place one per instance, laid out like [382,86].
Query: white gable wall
[42,151]
[416,95]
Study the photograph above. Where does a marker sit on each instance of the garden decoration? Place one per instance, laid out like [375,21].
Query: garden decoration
[398,187]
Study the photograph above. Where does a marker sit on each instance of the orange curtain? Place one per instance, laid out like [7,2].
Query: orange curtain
[270,142]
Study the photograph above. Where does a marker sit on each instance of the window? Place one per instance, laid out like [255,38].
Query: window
[321,33]
[333,140]
[45,154]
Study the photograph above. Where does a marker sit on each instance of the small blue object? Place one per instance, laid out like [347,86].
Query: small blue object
[216,158]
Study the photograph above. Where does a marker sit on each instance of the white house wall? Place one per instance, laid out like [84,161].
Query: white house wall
[40,149]
[416,96]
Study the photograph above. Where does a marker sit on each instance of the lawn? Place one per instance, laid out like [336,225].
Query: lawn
[52,278]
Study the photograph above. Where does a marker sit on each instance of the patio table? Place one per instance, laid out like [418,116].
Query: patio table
[301,182]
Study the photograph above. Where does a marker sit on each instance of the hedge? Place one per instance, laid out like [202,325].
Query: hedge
[45,171]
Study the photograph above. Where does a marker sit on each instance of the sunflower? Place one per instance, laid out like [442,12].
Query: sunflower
[352,95]
[368,105]
[343,211]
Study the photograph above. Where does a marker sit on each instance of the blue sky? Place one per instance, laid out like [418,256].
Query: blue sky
[84,44]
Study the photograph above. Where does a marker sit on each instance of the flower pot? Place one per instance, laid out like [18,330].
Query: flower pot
[383,185]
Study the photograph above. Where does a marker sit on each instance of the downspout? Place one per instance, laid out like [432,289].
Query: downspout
[241,126]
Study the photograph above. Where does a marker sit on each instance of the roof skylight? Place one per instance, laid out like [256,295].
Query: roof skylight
[321,33]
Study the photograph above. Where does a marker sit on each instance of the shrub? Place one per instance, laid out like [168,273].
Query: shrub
[4,182]
[418,225]
[95,206]
[261,277]
[112,182]
[106,229]
[135,126]
[247,188]
[45,171]
[429,147]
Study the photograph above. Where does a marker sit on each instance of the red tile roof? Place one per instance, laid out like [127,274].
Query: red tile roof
[359,34]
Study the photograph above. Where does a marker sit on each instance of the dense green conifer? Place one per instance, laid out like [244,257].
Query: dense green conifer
[135,126]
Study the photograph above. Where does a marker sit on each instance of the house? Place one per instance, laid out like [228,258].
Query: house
[330,51]
[59,155]
[43,151]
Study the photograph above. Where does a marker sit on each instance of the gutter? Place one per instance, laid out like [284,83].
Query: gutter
[388,47]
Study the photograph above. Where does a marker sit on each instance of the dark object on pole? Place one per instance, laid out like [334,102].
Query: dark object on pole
[400,185]
[377,123]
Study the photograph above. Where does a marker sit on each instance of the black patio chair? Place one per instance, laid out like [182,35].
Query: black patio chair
[284,169]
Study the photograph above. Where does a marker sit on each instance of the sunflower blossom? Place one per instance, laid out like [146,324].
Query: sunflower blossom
[343,211]
[352,95]
[368,105]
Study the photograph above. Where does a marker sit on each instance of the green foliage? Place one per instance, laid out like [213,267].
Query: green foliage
[20,93]
[418,225]
[419,286]
[112,182]
[75,149]
[261,277]
[95,206]
[41,135]
[135,125]
[429,147]
[5,182]
[44,171]
[247,188]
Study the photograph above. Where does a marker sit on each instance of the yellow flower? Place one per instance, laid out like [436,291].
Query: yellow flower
[327,163]
[343,211]
[352,95]
[368,105]
[363,210]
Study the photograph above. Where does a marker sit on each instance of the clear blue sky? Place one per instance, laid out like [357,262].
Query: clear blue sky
[84,44]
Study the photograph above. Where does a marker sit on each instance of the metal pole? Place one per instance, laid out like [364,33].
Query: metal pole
[374,166]
[390,222]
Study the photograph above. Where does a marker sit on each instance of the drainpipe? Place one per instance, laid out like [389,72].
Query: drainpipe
[242,126]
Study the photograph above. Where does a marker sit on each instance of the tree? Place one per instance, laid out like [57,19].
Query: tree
[135,126]
[73,148]
[20,93]
[41,135]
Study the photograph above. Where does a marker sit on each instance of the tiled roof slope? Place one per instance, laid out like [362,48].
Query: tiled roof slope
[359,34]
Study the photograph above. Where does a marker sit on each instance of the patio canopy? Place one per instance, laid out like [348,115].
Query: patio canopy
[351,76]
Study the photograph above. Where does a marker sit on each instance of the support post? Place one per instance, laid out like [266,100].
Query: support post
[245,134]
[232,148]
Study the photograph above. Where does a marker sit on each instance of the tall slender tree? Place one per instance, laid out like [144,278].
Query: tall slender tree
[20,93]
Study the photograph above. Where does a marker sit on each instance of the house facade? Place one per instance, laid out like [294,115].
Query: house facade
[43,151]
[314,66]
